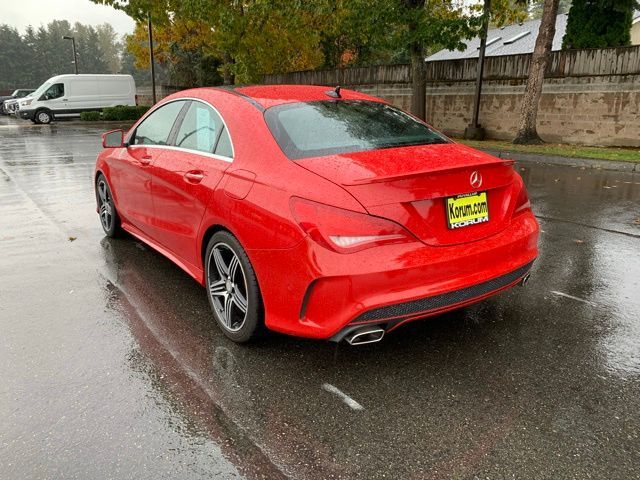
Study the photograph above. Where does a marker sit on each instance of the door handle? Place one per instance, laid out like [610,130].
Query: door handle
[145,160]
[65,99]
[194,176]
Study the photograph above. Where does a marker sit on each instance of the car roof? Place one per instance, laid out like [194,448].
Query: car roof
[272,95]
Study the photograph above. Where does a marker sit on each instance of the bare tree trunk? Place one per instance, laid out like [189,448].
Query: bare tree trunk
[228,78]
[418,64]
[418,82]
[527,132]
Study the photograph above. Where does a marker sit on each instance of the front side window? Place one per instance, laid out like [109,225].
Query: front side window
[54,91]
[327,127]
[155,129]
[41,89]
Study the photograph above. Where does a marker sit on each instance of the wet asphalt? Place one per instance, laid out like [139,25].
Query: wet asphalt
[111,365]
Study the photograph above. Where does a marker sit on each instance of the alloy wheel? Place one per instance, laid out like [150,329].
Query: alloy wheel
[106,208]
[227,287]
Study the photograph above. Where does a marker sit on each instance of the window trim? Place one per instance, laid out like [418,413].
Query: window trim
[173,134]
[176,127]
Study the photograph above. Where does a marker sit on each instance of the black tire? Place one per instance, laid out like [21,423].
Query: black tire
[230,319]
[43,116]
[109,218]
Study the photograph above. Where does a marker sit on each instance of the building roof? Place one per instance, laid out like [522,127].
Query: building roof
[510,40]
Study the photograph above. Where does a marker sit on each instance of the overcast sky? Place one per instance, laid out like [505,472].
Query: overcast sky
[20,13]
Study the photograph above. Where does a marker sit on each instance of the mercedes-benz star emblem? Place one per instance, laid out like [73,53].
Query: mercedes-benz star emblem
[475,180]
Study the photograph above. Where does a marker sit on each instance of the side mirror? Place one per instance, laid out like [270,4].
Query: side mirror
[113,139]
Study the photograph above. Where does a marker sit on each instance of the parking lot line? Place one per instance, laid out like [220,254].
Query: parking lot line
[351,403]
[566,295]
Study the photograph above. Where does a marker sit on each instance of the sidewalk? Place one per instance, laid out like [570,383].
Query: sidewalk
[567,161]
[619,159]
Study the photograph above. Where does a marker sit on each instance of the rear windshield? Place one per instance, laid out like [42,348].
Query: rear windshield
[328,127]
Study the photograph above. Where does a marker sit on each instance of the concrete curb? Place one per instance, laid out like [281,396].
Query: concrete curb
[629,167]
[102,123]
[107,125]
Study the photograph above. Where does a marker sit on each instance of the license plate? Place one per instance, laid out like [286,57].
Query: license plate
[469,209]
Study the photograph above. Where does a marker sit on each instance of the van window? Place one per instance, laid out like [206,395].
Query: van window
[155,129]
[54,91]
[40,90]
[200,128]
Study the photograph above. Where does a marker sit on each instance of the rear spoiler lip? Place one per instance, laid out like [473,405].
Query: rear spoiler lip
[406,176]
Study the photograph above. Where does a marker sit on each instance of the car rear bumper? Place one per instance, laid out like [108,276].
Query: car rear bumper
[312,292]
[391,317]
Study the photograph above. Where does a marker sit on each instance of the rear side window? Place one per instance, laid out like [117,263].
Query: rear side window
[224,147]
[203,130]
[314,129]
[155,129]
[199,129]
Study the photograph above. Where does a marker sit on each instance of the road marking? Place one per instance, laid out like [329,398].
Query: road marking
[628,234]
[351,403]
[566,295]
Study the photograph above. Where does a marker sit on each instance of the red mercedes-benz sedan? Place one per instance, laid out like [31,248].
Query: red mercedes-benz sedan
[315,212]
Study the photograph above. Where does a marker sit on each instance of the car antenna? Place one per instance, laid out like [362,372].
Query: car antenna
[335,93]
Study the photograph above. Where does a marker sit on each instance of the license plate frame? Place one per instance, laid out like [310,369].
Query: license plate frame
[467,209]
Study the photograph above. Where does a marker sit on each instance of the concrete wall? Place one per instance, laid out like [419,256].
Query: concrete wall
[635,33]
[590,97]
[582,110]
[144,95]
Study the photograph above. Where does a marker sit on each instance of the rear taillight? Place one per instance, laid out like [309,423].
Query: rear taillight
[345,231]
[522,201]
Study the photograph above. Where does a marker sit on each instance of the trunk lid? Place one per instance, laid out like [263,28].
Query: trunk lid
[410,186]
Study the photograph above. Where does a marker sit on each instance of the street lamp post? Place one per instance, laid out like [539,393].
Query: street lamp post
[153,68]
[75,54]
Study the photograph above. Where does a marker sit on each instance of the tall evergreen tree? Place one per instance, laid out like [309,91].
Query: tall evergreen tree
[599,23]
[110,47]
[29,59]
[11,52]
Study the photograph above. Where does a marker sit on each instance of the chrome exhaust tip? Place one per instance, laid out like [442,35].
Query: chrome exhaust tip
[525,280]
[365,335]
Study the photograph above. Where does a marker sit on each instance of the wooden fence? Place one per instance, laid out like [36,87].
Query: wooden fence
[564,63]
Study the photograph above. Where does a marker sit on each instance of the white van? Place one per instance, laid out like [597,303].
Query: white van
[69,95]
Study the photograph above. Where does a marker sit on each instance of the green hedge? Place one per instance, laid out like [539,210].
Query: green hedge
[119,113]
[124,112]
[90,116]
